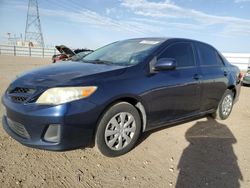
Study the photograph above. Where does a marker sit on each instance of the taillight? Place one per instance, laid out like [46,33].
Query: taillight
[240,75]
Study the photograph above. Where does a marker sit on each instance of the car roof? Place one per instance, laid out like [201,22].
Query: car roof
[176,39]
[164,39]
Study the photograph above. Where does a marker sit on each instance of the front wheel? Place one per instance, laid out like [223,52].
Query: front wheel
[225,106]
[118,130]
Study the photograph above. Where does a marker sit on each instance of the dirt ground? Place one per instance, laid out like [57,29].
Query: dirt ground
[200,153]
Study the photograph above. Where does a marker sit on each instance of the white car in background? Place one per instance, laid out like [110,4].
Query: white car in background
[246,78]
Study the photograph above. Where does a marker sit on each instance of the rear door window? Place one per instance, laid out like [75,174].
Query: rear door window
[182,52]
[208,56]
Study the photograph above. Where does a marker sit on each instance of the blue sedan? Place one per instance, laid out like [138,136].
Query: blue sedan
[112,95]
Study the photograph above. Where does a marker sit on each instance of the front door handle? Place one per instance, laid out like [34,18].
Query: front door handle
[197,76]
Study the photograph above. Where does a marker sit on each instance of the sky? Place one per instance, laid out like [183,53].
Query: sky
[91,24]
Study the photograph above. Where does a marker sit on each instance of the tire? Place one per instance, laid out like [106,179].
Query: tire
[225,106]
[118,130]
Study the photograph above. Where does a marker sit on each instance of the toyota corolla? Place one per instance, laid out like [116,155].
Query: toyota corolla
[117,92]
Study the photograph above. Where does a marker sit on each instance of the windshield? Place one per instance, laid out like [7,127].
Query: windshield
[128,52]
[80,55]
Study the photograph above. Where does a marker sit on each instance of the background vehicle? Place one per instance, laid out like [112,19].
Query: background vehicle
[246,78]
[119,91]
[66,53]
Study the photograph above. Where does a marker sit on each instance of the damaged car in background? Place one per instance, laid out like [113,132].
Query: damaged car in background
[66,54]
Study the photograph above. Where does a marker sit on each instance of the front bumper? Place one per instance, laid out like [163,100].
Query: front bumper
[77,121]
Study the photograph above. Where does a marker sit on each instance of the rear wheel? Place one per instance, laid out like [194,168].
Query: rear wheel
[118,130]
[225,106]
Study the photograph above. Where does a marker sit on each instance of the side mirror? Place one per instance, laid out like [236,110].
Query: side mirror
[165,64]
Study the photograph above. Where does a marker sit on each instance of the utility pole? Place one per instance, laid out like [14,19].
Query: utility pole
[12,40]
[33,30]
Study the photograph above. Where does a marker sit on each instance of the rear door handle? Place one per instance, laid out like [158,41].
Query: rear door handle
[225,73]
[197,76]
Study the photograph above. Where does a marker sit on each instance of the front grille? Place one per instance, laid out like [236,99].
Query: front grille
[22,90]
[18,99]
[20,94]
[18,128]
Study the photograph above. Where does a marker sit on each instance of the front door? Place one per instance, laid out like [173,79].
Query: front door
[176,93]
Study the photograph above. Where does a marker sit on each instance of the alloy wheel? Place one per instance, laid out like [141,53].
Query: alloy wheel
[227,104]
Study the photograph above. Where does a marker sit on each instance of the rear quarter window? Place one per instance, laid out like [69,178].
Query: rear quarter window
[219,59]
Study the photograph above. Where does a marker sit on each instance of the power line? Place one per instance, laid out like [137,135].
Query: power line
[64,6]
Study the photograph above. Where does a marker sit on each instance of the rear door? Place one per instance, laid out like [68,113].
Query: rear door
[177,92]
[214,76]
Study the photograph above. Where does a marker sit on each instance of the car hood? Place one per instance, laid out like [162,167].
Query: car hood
[67,74]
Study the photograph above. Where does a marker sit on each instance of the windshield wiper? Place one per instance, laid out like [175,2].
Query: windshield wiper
[99,61]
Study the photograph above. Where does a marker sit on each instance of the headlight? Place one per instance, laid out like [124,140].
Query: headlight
[65,94]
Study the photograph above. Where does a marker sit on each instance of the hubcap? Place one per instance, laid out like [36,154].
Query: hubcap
[120,131]
[227,104]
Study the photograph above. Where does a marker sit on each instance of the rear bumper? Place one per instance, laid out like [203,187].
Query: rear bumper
[238,90]
[76,124]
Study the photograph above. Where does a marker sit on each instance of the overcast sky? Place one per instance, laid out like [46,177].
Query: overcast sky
[93,23]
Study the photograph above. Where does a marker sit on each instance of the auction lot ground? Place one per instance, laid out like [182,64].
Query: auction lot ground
[200,153]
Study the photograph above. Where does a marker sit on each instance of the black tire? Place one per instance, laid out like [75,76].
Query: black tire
[219,114]
[105,123]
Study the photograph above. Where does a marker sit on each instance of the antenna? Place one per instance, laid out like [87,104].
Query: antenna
[33,30]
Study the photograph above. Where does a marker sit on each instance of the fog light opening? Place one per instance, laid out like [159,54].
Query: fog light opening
[53,133]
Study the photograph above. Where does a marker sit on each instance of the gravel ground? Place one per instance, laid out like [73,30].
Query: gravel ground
[199,153]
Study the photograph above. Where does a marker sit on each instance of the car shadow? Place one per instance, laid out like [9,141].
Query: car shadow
[209,159]
[146,134]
